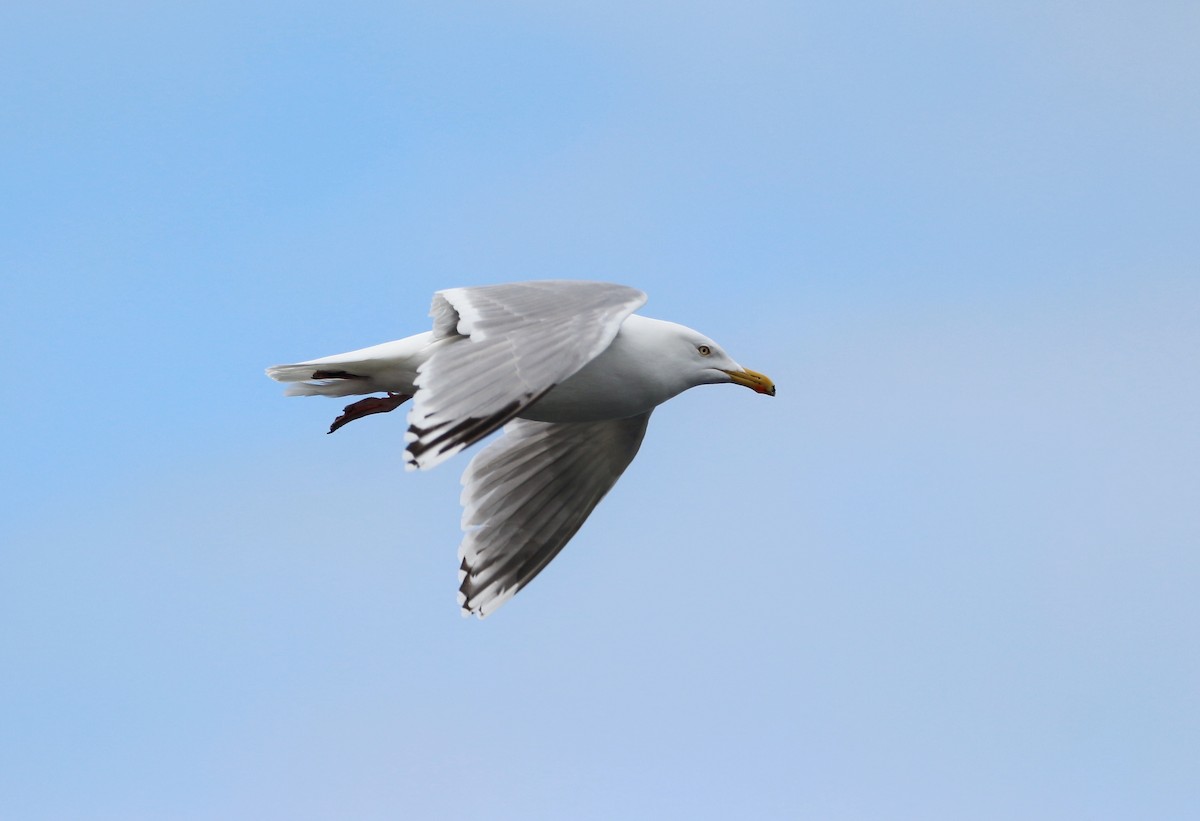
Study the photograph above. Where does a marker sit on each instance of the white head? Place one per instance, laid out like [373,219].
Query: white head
[694,358]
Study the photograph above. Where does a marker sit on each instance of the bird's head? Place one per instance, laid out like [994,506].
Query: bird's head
[706,363]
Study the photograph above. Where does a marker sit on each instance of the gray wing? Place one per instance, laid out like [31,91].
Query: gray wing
[499,348]
[526,494]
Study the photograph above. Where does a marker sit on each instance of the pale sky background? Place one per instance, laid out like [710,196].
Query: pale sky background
[951,572]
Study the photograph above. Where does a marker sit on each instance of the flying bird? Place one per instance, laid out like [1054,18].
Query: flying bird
[569,371]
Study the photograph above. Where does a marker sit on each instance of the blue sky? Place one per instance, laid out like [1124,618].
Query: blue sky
[949,572]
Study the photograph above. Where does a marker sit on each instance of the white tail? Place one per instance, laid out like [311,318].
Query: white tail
[390,367]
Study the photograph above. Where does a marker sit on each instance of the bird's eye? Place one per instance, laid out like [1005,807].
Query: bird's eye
[704,350]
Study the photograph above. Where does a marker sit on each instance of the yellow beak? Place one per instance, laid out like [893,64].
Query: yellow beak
[755,381]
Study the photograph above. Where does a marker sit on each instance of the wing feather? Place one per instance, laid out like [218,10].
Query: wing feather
[502,347]
[528,493]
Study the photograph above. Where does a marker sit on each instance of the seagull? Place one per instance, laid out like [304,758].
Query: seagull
[570,373]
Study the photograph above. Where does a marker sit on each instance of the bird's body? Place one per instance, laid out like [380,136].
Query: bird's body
[570,369]
[614,385]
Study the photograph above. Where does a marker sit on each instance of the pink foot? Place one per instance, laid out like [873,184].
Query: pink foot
[368,406]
